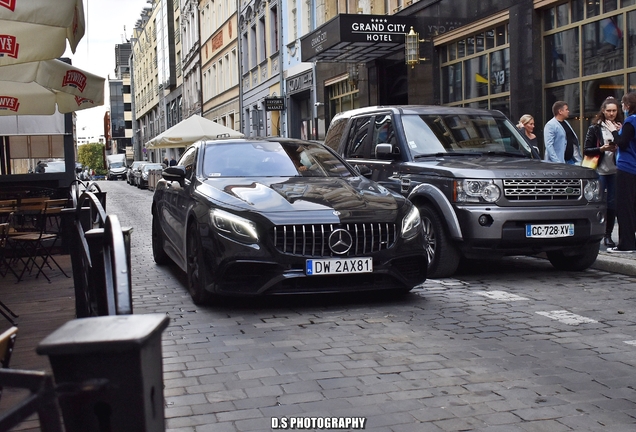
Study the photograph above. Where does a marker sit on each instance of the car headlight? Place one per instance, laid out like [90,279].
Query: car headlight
[411,223]
[592,191]
[144,176]
[234,226]
[476,191]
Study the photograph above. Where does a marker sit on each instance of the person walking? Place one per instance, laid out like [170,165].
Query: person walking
[599,142]
[173,162]
[561,142]
[625,140]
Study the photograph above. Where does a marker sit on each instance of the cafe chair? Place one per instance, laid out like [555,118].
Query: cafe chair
[5,251]
[37,243]
[7,342]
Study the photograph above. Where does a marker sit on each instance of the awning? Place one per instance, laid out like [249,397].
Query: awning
[356,38]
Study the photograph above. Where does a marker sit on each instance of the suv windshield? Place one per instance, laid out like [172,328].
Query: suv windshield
[271,159]
[430,134]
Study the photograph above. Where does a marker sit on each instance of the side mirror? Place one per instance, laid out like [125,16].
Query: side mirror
[385,151]
[363,170]
[174,173]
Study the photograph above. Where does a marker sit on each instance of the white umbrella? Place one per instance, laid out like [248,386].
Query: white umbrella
[38,87]
[32,30]
[191,130]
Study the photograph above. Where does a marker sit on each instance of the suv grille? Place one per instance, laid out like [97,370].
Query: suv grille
[313,239]
[542,189]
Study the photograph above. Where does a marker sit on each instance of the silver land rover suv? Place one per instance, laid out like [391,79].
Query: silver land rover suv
[480,191]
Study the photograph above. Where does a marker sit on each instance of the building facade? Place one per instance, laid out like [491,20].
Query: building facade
[515,56]
[260,66]
[157,73]
[219,62]
[121,127]
[190,58]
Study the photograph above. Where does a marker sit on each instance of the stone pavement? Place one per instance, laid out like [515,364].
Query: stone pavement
[616,263]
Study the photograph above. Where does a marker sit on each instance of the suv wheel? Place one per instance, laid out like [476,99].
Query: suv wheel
[197,273]
[158,250]
[443,256]
[578,262]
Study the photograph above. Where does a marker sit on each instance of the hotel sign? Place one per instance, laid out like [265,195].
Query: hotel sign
[357,28]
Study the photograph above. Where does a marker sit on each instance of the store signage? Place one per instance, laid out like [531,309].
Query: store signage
[274,104]
[357,28]
[300,82]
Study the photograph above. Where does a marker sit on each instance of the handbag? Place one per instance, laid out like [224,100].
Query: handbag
[590,161]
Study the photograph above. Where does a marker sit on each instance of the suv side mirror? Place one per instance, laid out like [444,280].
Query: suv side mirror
[385,151]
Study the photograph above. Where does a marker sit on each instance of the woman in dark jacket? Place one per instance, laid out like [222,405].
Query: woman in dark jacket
[600,142]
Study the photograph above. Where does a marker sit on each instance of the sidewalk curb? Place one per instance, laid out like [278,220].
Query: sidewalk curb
[615,264]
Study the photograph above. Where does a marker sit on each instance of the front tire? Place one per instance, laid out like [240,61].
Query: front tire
[443,255]
[197,272]
[578,262]
[158,249]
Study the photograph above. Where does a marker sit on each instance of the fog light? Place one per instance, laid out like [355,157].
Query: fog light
[485,220]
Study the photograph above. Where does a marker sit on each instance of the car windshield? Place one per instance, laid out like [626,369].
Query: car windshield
[462,133]
[116,164]
[271,159]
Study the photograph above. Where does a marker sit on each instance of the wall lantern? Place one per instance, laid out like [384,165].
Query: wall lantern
[354,74]
[412,48]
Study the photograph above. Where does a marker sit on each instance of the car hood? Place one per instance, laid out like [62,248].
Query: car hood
[497,167]
[352,195]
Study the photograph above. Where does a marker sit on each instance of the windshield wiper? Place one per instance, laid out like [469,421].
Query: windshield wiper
[443,154]
[504,153]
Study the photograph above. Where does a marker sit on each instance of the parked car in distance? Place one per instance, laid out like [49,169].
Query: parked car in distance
[141,176]
[480,191]
[282,216]
[130,173]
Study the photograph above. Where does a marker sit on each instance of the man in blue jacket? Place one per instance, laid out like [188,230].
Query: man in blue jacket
[561,143]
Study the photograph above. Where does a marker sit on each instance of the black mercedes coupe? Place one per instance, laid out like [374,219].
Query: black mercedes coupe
[282,216]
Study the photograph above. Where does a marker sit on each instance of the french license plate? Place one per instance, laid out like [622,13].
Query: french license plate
[316,267]
[550,230]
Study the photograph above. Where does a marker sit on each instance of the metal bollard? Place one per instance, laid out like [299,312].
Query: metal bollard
[108,372]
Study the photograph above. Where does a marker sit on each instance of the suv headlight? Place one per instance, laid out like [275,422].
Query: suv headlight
[411,223]
[592,191]
[234,226]
[476,191]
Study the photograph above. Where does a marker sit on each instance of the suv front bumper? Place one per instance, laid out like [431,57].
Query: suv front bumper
[505,232]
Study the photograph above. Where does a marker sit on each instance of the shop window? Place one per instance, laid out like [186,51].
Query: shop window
[548,19]
[479,43]
[609,5]
[452,83]
[461,48]
[593,9]
[501,35]
[490,39]
[603,45]
[501,104]
[597,90]
[563,15]
[561,55]
[625,3]
[452,52]
[578,10]
[470,46]
[476,82]
[631,38]
[500,71]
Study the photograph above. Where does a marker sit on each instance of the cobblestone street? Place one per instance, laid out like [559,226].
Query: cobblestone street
[509,345]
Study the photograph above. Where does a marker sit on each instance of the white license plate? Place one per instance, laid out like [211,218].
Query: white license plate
[550,230]
[316,267]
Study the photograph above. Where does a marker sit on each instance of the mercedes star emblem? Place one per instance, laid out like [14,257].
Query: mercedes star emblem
[340,241]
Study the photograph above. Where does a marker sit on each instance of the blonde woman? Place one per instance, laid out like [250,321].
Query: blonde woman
[526,127]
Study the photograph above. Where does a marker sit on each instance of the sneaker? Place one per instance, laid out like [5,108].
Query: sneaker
[617,250]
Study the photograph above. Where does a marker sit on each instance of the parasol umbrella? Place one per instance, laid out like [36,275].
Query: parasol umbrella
[32,30]
[38,87]
[191,130]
